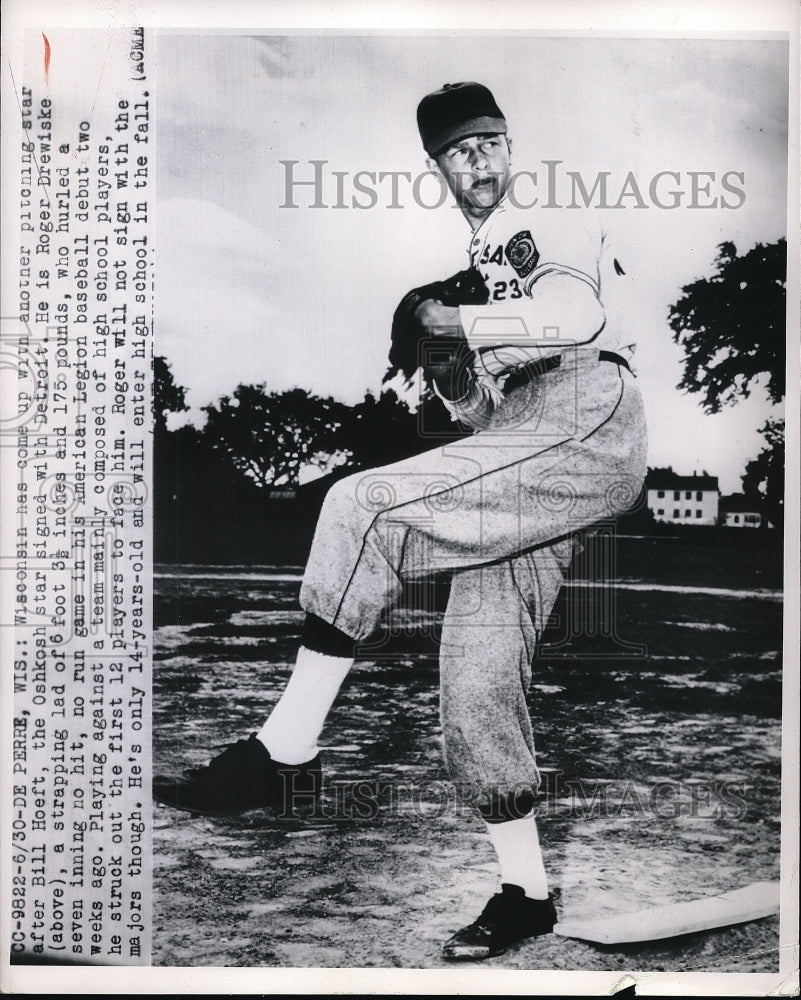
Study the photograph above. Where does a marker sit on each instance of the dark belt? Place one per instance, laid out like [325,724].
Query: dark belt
[525,373]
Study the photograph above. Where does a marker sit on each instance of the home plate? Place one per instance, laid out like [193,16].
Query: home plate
[761,899]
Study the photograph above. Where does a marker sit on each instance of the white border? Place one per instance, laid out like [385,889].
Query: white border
[665,18]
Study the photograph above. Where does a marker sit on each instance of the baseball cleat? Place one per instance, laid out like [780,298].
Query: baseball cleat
[244,776]
[509,917]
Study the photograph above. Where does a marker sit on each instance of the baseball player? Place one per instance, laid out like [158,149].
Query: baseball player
[540,369]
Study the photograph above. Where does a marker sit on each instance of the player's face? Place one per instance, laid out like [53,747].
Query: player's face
[477,171]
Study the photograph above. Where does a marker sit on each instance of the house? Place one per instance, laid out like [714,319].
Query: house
[282,492]
[737,511]
[676,499]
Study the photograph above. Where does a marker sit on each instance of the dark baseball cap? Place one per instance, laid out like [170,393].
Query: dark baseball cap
[456,111]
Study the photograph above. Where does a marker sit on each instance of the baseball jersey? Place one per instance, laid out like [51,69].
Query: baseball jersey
[553,283]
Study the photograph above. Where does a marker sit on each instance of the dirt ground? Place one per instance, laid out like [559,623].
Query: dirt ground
[246,894]
[698,710]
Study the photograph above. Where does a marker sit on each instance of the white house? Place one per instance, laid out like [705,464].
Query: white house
[682,499]
[738,512]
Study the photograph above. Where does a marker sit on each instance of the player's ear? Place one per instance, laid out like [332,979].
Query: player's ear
[432,165]
[509,146]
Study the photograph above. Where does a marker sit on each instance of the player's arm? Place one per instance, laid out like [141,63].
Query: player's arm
[448,364]
[446,356]
[557,305]
[561,294]
[427,332]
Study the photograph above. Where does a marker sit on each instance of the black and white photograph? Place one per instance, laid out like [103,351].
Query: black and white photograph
[401,502]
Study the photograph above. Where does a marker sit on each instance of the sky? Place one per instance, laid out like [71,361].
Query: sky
[250,289]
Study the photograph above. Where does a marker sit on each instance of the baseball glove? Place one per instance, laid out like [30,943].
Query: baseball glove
[464,288]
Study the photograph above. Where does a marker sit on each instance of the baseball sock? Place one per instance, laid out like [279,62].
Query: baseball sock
[324,659]
[517,845]
[294,725]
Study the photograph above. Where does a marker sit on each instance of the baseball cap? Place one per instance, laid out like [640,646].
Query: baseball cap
[456,111]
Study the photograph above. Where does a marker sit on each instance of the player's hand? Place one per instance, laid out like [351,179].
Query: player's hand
[430,314]
[446,355]
[438,320]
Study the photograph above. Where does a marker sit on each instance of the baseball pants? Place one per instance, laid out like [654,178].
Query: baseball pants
[499,510]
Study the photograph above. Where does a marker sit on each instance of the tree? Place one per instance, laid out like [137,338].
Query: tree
[732,326]
[379,430]
[271,436]
[763,480]
[167,396]
[732,329]
[383,429]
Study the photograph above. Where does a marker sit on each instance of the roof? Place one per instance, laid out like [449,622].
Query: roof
[667,479]
[736,503]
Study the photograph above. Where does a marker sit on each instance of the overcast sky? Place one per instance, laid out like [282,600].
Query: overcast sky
[250,291]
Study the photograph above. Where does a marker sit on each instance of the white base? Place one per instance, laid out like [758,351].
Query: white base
[761,899]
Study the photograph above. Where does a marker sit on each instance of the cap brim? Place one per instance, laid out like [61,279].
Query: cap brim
[461,130]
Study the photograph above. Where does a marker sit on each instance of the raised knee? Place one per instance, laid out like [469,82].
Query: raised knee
[340,503]
[371,494]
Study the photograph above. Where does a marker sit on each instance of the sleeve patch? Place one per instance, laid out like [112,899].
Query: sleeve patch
[521,253]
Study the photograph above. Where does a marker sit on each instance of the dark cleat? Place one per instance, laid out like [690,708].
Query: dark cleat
[242,777]
[509,917]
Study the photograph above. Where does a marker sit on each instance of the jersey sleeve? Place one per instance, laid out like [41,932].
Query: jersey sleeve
[569,243]
[561,304]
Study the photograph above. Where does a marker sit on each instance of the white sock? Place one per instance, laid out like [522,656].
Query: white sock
[517,845]
[294,725]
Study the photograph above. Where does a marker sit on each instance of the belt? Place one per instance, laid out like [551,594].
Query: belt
[525,373]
